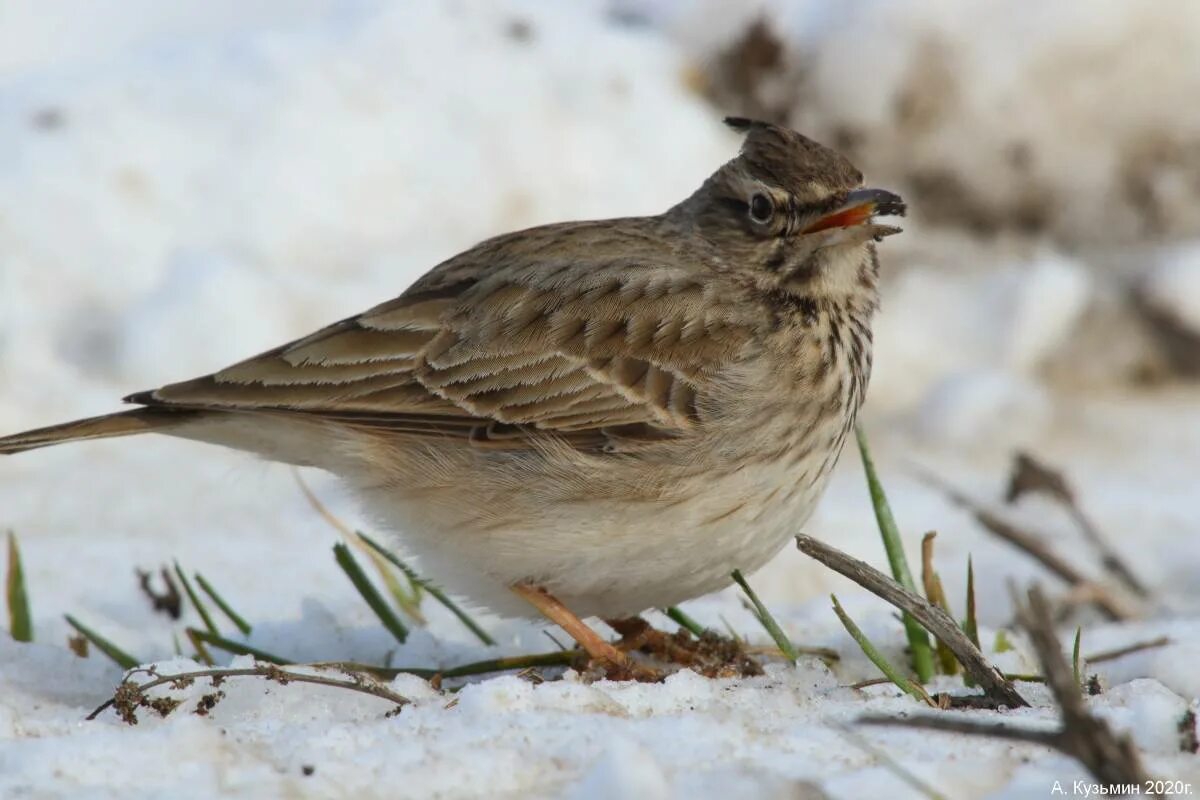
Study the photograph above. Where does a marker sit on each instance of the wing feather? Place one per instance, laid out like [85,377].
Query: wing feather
[502,354]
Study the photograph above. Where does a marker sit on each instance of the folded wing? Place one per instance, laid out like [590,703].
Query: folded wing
[500,357]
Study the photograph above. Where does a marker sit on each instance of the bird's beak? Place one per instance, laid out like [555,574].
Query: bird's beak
[860,207]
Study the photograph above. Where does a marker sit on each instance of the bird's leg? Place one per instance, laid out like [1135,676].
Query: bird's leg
[577,629]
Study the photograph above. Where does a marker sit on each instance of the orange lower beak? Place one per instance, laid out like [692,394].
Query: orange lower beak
[861,206]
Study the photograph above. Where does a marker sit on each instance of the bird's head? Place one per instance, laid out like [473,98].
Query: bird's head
[792,211]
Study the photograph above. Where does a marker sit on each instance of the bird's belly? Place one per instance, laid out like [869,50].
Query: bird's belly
[608,557]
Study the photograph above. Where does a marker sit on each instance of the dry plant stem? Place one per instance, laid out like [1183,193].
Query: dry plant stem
[936,621]
[1110,759]
[411,606]
[576,628]
[1110,655]
[956,724]
[1110,605]
[1109,559]
[936,594]
[1030,475]
[202,654]
[364,684]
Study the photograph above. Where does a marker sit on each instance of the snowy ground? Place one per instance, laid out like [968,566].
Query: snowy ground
[181,186]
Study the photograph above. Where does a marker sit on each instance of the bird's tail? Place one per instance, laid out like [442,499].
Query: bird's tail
[125,423]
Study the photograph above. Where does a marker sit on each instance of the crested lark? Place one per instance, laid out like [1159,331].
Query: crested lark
[589,418]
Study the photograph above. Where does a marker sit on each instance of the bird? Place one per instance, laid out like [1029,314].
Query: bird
[590,418]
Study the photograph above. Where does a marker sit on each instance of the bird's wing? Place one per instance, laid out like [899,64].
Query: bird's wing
[577,349]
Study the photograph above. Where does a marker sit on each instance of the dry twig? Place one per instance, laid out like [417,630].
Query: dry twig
[1112,606]
[1112,759]
[936,621]
[131,695]
[1120,652]
[1030,476]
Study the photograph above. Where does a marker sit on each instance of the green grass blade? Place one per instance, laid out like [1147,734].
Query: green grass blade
[681,619]
[197,603]
[559,659]
[764,616]
[434,591]
[888,669]
[237,648]
[109,649]
[226,609]
[20,621]
[369,593]
[918,638]
[1074,657]
[971,624]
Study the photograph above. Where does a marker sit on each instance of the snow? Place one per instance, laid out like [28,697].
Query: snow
[182,186]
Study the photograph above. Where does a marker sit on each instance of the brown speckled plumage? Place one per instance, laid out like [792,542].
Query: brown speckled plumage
[620,411]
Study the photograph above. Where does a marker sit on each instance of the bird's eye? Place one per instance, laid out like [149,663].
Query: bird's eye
[761,208]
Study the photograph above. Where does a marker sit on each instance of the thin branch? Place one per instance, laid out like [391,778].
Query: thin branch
[936,621]
[1120,652]
[1032,476]
[970,727]
[1110,758]
[1032,545]
[132,693]
[935,593]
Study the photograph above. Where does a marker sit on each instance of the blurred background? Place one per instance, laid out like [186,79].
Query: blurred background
[182,185]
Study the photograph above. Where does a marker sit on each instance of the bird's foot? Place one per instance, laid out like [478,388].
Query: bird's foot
[711,655]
